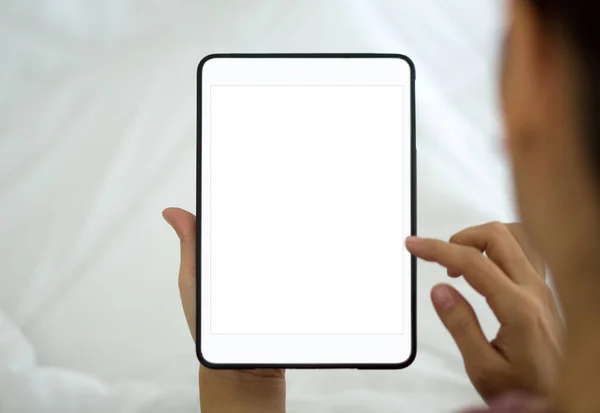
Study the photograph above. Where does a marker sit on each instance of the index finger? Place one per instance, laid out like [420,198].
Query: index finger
[501,246]
[480,272]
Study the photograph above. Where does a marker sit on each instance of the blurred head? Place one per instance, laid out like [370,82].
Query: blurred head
[549,98]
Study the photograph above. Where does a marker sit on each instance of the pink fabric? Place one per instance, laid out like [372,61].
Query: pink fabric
[514,403]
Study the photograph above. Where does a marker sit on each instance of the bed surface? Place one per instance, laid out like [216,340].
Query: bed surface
[97,136]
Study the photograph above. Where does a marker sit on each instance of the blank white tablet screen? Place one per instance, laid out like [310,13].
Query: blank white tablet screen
[306,186]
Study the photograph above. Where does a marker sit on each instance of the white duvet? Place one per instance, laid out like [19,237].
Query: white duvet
[97,136]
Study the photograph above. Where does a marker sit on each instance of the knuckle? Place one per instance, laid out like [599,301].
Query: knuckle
[485,374]
[461,235]
[459,323]
[455,238]
[188,239]
[524,320]
[536,307]
[531,313]
[496,227]
[497,231]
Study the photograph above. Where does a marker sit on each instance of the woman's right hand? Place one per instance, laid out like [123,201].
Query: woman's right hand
[525,354]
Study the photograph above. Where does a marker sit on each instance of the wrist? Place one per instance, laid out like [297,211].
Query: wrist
[248,391]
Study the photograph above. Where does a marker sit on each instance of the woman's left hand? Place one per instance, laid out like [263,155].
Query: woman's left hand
[221,391]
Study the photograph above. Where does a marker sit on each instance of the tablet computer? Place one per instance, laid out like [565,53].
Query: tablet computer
[306,191]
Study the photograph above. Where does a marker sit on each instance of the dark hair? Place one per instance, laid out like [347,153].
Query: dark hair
[579,21]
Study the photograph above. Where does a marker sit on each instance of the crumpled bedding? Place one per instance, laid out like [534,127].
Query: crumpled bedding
[97,136]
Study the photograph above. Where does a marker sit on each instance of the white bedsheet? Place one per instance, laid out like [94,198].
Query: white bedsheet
[97,136]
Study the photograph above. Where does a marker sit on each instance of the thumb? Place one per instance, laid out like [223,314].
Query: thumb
[184,224]
[461,321]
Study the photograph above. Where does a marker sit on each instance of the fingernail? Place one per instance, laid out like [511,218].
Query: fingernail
[442,297]
[453,274]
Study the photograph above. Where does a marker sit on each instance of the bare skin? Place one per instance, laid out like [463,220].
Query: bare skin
[223,391]
[523,356]
[558,197]
[525,353]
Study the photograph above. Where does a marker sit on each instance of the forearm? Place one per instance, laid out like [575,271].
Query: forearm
[235,391]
